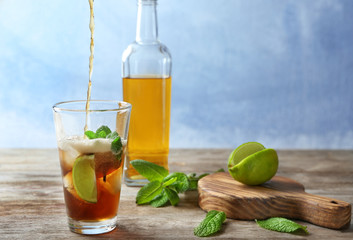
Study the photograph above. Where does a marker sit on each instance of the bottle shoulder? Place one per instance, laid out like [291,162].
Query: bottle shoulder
[154,50]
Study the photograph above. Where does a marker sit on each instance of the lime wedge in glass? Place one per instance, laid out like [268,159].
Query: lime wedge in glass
[84,178]
[252,164]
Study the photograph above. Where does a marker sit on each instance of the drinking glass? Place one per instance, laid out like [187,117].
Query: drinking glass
[91,148]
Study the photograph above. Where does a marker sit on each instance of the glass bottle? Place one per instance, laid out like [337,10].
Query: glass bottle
[146,72]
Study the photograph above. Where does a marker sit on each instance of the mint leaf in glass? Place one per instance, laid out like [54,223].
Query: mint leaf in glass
[116,146]
[149,192]
[103,131]
[211,224]
[281,225]
[151,171]
[112,135]
[90,134]
[160,200]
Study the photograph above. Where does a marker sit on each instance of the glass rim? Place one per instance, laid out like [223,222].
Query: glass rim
[59,106]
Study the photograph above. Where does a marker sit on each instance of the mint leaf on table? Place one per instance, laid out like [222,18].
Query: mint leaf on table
[167,195]
[181,184]
[211,224]
[149,170]
[160,200]
[169,182]
[148,192]
[172,196]
[281,225]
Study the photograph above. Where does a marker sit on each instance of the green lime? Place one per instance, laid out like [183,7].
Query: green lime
[256,168]
[84,178]
[244,150]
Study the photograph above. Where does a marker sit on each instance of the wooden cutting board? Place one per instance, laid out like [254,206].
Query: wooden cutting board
[279,197]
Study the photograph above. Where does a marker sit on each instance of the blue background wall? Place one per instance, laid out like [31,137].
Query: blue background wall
[279,72]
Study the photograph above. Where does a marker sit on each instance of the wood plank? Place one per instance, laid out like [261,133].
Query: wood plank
[32,203]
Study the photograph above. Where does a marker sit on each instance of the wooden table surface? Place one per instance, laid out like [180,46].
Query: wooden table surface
[32,203]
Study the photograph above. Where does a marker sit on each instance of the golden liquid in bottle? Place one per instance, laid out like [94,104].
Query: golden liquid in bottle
[150,97]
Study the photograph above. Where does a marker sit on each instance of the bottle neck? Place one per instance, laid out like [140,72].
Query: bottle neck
[147,28]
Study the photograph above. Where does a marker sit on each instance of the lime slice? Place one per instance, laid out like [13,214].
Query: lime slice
[243,151]
[253,167]
[84,178]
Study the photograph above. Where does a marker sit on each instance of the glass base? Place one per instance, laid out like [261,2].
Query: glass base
[135,182]
[92,227]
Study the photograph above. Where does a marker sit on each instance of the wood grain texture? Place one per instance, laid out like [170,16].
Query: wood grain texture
[279,197]
[32,202]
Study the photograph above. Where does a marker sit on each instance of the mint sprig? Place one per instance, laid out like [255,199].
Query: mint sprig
[280,224]
[102,132]
[211,224]
[163,188]
[181,184]
[105,132]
